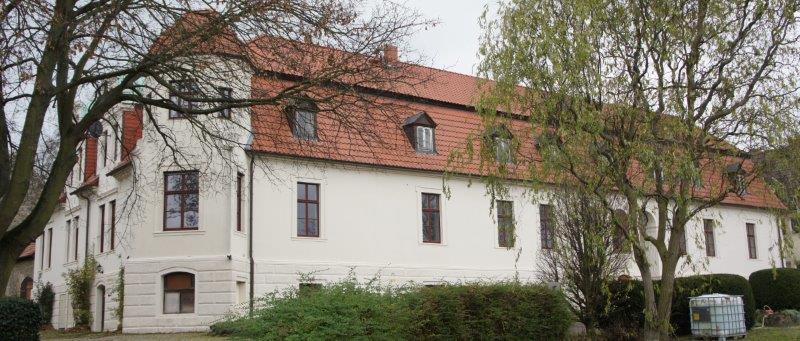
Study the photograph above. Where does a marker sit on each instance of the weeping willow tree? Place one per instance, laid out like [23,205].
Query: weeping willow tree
[650,104]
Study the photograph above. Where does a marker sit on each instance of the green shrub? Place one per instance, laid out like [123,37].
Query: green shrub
[495,311]
[347,310]
[625,317]
[777,288]
[45,297]
[79,287]
[20,319]
[686,287]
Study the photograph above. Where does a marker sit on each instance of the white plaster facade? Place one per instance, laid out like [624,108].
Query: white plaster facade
[370,220]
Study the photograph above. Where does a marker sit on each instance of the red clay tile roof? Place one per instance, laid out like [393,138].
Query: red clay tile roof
[377,138]
[382,141]
[28,252]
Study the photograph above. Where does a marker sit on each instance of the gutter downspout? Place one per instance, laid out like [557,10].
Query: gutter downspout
[250,233]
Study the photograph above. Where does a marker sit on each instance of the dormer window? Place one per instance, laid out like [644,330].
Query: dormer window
[181,90]
[420,130]
[502,149]
[736,176]
[303,120]
[424,139]
[499,138]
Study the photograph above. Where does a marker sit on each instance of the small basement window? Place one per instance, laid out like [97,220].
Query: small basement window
[178,293]
[420,131]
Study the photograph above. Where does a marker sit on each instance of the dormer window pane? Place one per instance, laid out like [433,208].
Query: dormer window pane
[225,93]
[502,150]
[305,125]
[181,90]
[424,139]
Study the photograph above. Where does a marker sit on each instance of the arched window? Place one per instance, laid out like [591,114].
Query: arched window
[26,288]
[178,293]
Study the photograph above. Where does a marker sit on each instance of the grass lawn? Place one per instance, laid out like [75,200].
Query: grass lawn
[57,335]
[772,334]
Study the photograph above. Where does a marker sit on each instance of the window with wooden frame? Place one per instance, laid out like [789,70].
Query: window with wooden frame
[68,243]
[76,221]
[239,184]
[751,240]
[620,240]
[505,224]
[112,234]
[26,288]
[179,95]
[307,209]
[546,227]
[114,140]
[225,93]
[420,131]
[178,293]
[502,150]
[105,147]
[708,233]
[302,115]
[431,219]
[181,201]
[49,247]
[102,228]
[682,245]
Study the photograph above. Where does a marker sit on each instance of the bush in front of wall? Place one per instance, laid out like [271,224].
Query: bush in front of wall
[351,310]
[20,319]
[625,317]
[777,288]
[692,286]
[119,291]
[79,287]
[503,310]
[45,297]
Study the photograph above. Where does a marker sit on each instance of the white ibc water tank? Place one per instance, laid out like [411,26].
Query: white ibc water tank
[717,315]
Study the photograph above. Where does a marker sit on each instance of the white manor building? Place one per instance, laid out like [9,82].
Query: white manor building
[306,199]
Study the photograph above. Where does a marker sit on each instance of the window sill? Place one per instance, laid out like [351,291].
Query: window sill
[311,239]
[71,263]
[432,243]
[505,248]
[179,232]
[239,233]
[105,253]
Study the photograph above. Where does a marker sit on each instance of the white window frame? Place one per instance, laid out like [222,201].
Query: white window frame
[424,136]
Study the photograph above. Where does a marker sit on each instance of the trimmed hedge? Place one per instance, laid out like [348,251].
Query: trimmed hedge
[347,310]
[20,319]
[497,311]
[777,288]
[626,316]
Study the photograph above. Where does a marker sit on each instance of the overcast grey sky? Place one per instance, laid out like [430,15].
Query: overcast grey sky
[453,43]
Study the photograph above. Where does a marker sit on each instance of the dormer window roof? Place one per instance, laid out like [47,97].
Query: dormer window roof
[302,116]
[420,130]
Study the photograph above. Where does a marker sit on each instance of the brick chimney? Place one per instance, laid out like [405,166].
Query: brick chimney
[131,130]
[390,54]
[90,161]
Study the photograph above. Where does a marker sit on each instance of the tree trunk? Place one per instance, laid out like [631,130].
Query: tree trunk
[9,252]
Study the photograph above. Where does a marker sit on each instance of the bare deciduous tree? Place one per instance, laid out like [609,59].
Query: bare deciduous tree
[66,63]
[588,253]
